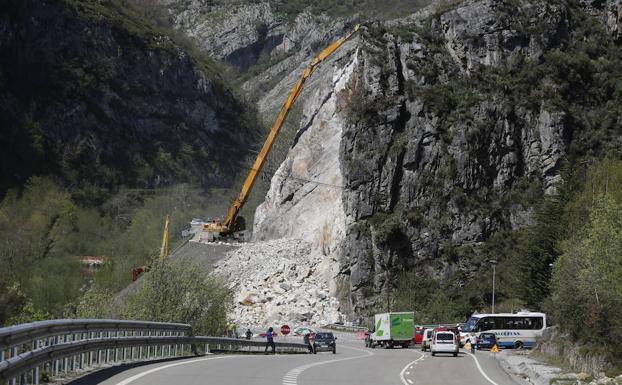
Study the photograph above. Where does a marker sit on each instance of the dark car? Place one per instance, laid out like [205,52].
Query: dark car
[486,340]
[324,342]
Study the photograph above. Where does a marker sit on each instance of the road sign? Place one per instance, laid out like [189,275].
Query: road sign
[494,349]
[285,330]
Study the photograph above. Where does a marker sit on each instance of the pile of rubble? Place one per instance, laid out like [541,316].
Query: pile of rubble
[279,281]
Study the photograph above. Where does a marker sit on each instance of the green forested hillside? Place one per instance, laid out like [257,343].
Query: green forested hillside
[101,96]
[109,121]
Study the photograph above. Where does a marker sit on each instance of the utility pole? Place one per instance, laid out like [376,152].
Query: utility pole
[388,292]
[494,265]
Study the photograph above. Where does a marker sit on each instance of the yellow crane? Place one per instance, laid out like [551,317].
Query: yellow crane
[230,224]
[164,247]
[137,271]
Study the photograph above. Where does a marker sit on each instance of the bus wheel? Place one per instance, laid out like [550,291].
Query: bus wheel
[518,345]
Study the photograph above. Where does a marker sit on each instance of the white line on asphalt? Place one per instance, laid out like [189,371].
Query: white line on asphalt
[410,366]
[479,367]
[291,377]
[143,374]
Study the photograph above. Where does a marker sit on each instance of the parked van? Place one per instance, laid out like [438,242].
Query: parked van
[445,342]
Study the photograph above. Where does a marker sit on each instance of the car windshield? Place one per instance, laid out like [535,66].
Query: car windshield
[444,336]
[324,336]
[470,325]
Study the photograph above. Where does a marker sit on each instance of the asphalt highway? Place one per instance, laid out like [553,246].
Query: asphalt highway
[353,364]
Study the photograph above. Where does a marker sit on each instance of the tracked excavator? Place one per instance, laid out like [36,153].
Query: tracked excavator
[233,225]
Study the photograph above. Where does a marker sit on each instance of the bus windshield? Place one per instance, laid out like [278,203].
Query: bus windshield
[470,325]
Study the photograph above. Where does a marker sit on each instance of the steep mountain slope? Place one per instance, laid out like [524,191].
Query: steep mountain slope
[109,122]
[98,94]
[453,124]
[425,145]
[268,44]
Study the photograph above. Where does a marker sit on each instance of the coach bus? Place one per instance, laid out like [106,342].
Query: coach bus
[513,330]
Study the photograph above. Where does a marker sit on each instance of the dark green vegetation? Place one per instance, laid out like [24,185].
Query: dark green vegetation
[102,97]
[586,286]
[110,121]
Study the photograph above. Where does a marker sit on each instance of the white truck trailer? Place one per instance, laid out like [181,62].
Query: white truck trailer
[392,329]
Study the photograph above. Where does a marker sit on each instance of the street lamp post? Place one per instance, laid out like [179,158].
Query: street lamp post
[494,270]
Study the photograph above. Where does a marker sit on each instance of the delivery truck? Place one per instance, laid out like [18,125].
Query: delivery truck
[392,329]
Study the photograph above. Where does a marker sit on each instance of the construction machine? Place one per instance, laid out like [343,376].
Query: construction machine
[232,224]
[137,271]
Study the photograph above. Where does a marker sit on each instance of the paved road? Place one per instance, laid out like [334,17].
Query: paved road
[353,364]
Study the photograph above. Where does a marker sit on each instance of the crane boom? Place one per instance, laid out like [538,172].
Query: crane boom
[227,225]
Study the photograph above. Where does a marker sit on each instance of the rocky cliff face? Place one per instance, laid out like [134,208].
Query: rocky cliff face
[433,182]
[253,36]
[449,132]
[96,93]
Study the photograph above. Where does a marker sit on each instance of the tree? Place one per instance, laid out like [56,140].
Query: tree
[95,303]
[180,291]
[587,280]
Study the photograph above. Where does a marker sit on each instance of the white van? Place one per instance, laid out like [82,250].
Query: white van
[426,341]
[444,342]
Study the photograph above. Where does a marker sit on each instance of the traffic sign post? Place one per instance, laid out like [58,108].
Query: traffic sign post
[285,330]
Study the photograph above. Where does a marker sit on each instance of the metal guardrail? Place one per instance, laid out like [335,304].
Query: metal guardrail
[345,328]
[64,346]
[20,334]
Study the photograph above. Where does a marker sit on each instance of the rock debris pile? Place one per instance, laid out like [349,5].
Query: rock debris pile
[279,281]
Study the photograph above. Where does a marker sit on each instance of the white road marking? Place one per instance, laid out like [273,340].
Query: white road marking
[291,377]
[410,365]
[479,367]
[143,374]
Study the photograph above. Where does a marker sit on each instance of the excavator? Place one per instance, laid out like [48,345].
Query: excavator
[232,224]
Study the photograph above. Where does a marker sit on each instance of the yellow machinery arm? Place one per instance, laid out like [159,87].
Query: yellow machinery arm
[227,225]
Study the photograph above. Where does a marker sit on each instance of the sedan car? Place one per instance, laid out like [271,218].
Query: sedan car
[486,340]
[324,342]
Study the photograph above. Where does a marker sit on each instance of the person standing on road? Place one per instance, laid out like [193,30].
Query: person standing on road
[249,334]
[473,341]
[307,340]
[270,340]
